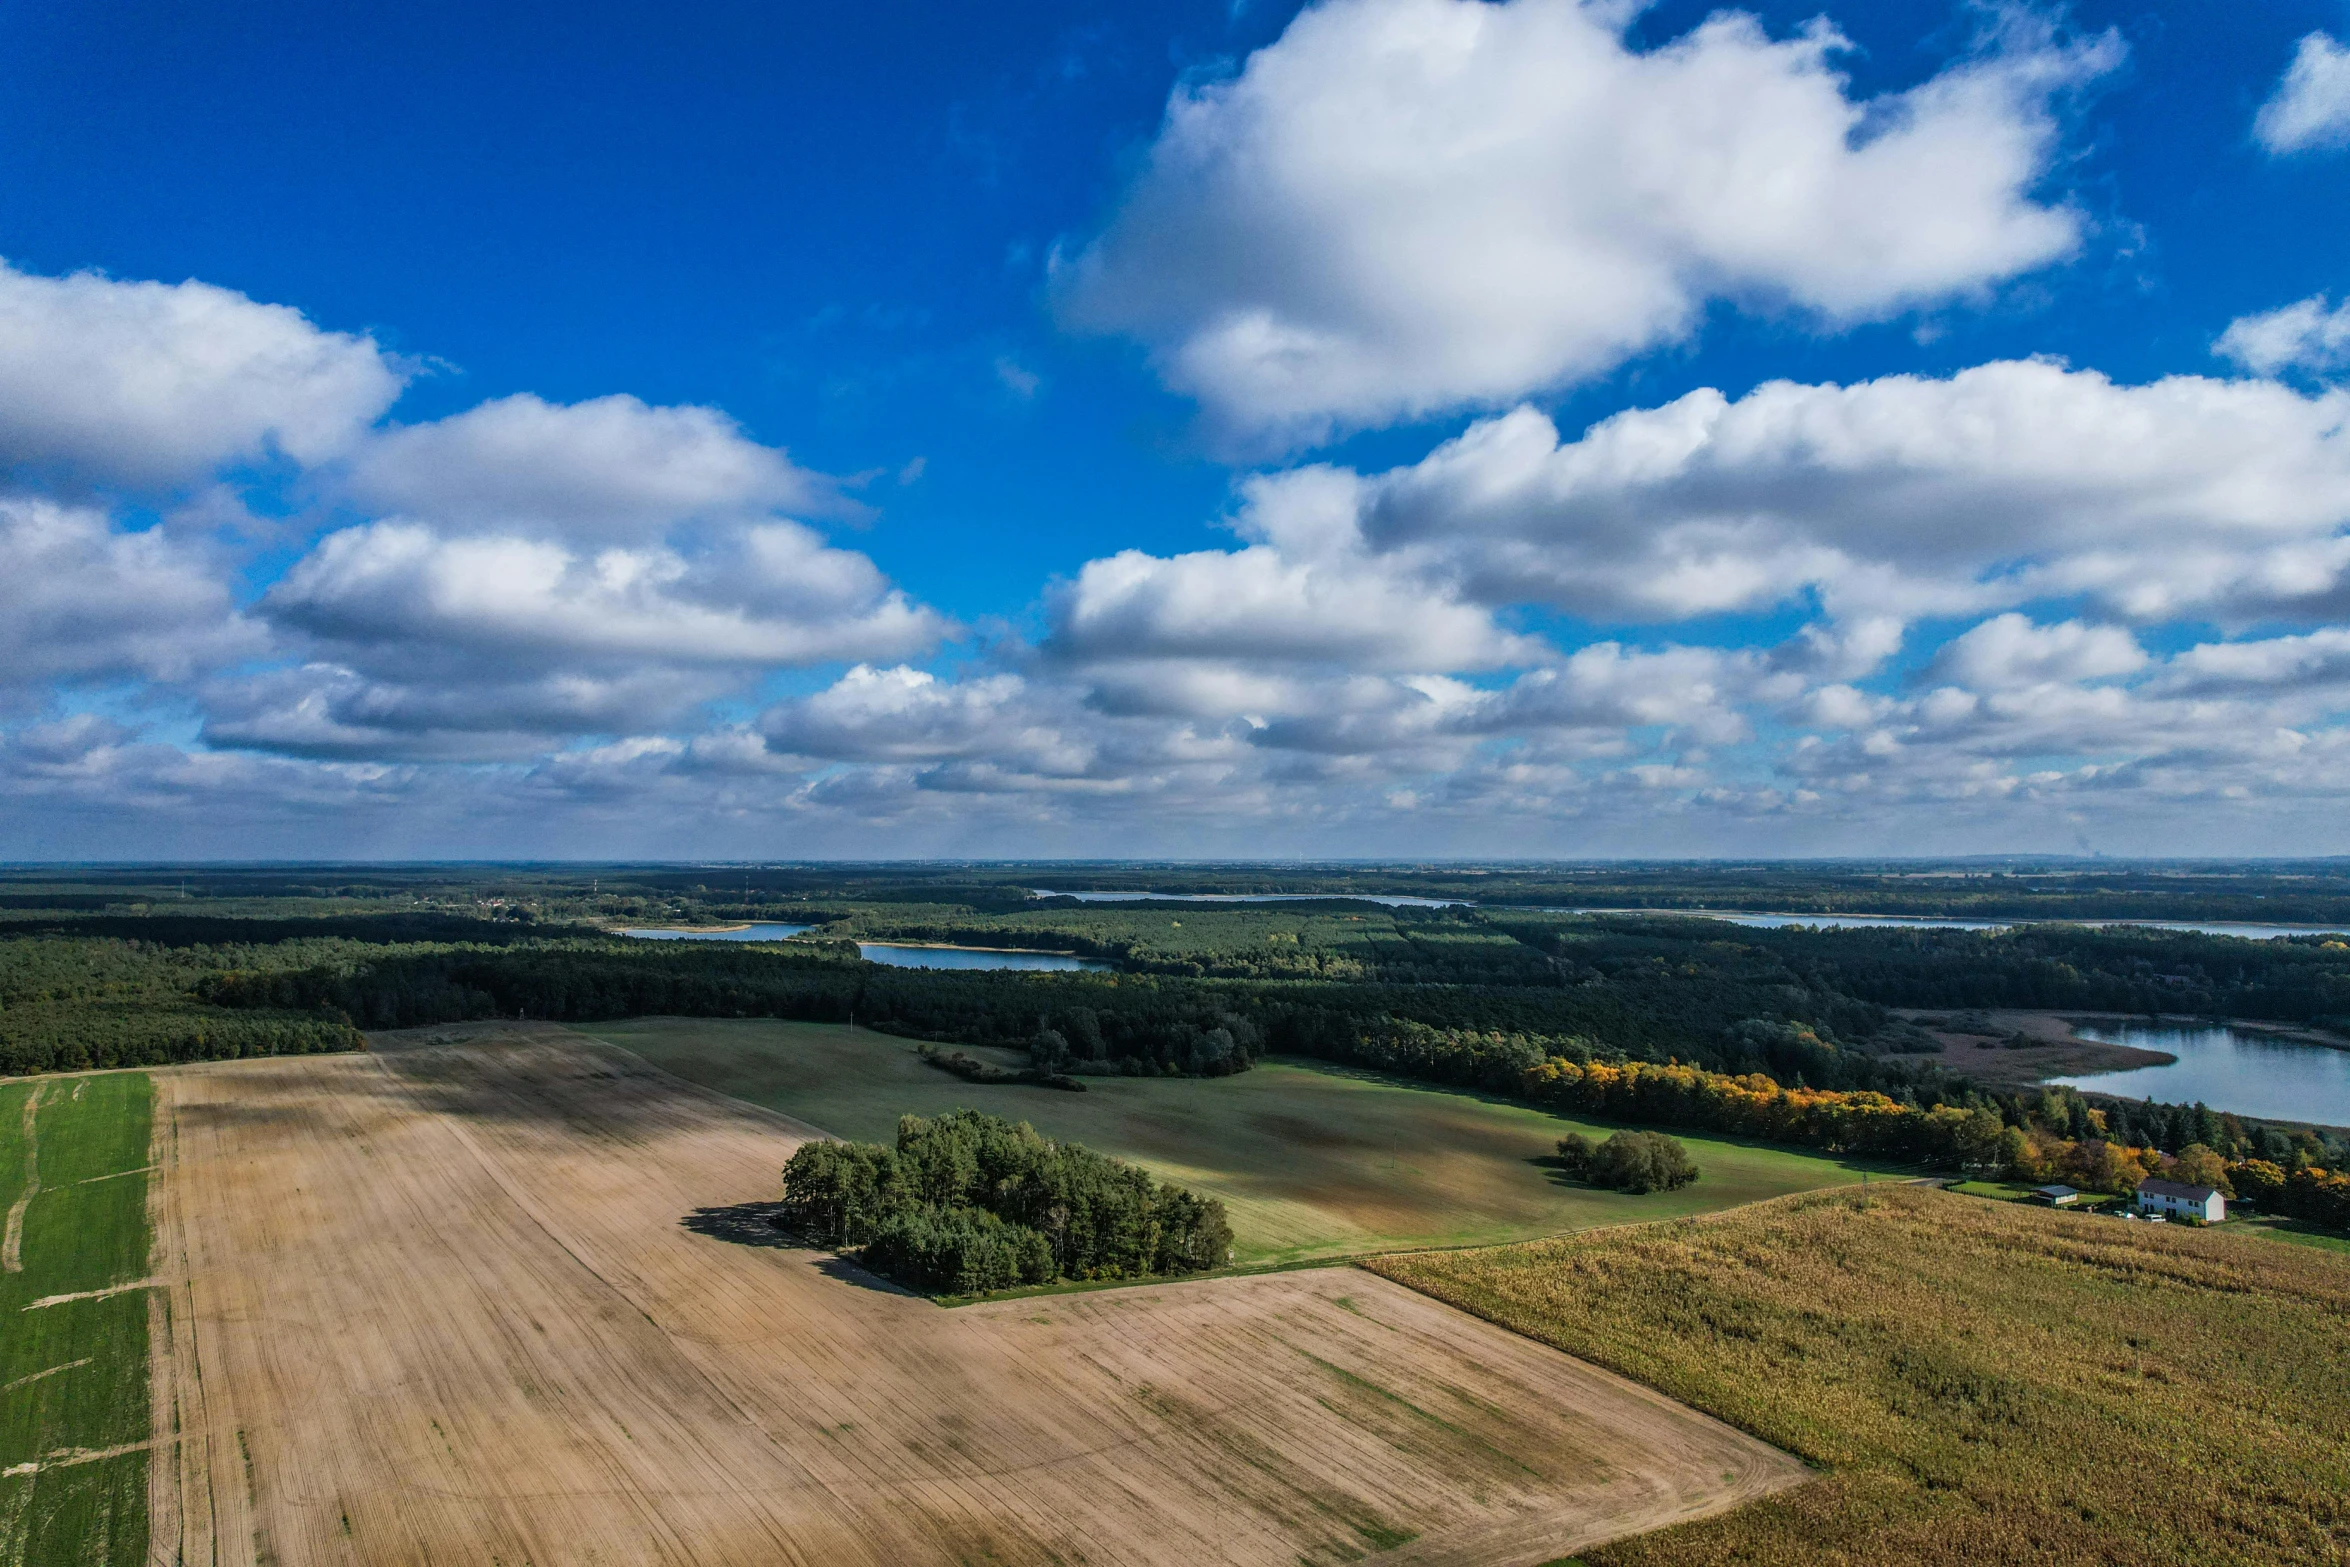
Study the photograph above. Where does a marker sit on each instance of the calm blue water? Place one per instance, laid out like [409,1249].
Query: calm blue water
[2229,1069]
[746,933]
[887,952]
[972,957]
[1392,902]
[1929,922]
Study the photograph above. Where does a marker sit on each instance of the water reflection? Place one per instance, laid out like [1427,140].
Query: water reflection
[739,933]
[1390,900]
[2229,1069]
[895,954]
[973,957]
[1938,922]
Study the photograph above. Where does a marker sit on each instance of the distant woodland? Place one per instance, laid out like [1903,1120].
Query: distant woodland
[1790,1034]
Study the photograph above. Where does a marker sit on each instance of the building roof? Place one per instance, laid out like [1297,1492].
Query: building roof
[2054,1191]
[2152,1187]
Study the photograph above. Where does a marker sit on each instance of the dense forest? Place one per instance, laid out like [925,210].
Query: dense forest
[2314,892]
[966,1203]
[111,971]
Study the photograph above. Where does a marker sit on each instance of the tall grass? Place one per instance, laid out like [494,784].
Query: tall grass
[1980,1383]
[73,1376]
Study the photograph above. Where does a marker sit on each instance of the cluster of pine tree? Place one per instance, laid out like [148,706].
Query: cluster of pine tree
[966,1203]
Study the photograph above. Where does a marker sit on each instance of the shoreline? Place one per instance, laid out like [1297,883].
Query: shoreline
[928,946]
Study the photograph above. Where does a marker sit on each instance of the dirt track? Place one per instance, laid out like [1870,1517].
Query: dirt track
[485,1302]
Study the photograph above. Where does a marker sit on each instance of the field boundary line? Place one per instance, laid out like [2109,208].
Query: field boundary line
[52,1371]
[181,1506]
[12,1245]
[67,1457]
[99,1294]
[116,1175]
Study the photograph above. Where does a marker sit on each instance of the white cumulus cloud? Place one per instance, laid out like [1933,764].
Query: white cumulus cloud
[2304,335]
[612,466]
[159,384]
[1402,206]
[772,594]
[1897,497]
[2009,650]
[2310,109]
[82,600]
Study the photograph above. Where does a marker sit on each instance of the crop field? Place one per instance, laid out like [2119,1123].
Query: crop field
[1310,1160]
[1982,1382]
[74,1390]
[509,1296]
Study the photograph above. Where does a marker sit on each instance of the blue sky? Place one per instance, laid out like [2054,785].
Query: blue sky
[1162,430]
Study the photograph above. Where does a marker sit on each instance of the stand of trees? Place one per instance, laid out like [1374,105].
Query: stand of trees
[2311,1193]
[966,1203]
[1636,1162]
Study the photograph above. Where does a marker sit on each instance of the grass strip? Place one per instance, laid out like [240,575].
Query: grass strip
[74,1391]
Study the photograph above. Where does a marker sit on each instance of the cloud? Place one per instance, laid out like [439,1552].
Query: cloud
[1222,632]
[330,711]
[83,601]
[2009,651]
[767,595]
[2310,110]
[554,571]
[612,467]
[1017,379]
[1898,497]
[156,385]
[2304,335]
[901,715]
[2317,660]
[1404,206]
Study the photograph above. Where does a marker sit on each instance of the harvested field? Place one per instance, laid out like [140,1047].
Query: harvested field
[512,1299]
[1311,1160]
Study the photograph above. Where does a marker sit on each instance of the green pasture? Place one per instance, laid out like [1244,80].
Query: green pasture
[74,1398]
[1311,1161]
[2298,1232]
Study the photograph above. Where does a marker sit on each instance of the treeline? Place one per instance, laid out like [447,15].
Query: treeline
[72,1005]
[98,1040]
[211,930]
[2074,968]
[1939,1121]
[1294,941]
[1092,1023]
[965,1203]
[1068,1022]
[2311,1193]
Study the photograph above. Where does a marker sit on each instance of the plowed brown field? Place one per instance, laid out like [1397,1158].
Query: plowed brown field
[505,1300]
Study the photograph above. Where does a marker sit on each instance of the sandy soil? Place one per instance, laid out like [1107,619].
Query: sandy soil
[512,1299]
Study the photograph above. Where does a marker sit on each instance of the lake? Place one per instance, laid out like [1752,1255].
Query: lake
[896,956]
[973,957]
[740,933]
[1390,900]
[1935,922]
[2229,1069]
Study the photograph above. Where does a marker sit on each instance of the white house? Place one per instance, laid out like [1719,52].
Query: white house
[2174,1201]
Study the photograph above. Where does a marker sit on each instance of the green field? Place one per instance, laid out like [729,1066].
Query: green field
[1980,1382]
[2298,1232]
[74,1396]
[1311,1161]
